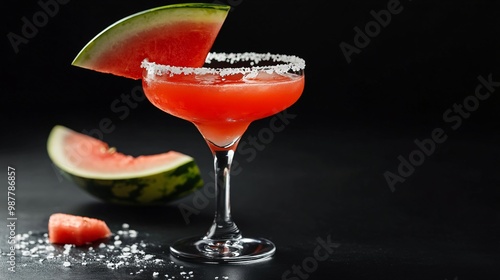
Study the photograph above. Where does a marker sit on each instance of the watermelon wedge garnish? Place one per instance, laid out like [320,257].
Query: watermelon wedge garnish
[76,230]
[119,178]
[179,34]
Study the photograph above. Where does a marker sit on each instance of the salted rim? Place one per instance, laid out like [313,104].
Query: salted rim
[285,63]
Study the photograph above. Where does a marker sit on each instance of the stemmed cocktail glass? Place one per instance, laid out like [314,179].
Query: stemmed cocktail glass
[221,99]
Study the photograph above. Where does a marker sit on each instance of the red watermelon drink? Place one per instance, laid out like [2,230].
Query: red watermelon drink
[221,100]
[166,47]
[222,107]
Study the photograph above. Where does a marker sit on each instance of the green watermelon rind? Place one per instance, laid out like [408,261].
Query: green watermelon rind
[56,148]
[145,20]
[160,184]
[157,189]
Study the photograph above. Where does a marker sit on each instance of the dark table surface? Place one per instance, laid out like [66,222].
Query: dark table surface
[310,186]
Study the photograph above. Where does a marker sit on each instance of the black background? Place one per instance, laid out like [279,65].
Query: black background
[352,122]
[426,59]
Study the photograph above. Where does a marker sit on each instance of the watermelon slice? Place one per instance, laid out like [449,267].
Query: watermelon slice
[180,35]
[76,230]
[116,177]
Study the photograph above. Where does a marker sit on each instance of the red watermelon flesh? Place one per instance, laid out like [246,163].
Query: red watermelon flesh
[180,35]
[165,49]
[76,230]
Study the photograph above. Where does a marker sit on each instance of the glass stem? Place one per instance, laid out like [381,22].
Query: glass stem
[223,228]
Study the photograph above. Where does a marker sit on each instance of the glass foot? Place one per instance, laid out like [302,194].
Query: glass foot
[223,251]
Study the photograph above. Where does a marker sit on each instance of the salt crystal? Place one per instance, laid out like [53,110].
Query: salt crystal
[125,226]
[67,248]
[155,274]
[104,254]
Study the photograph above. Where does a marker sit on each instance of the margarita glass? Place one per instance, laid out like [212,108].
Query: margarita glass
[221,99]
